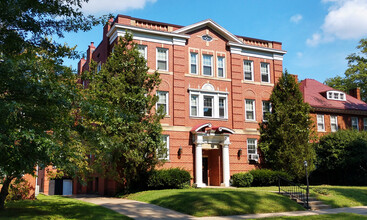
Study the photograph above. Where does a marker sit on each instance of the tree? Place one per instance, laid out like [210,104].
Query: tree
[285,136]
[356,74]
[118,115]
[38,94]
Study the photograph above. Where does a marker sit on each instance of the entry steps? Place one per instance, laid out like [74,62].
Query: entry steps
[313,203]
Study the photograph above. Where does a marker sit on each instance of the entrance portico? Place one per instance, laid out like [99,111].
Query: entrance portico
[207,137]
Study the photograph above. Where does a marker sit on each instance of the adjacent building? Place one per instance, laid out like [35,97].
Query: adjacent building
[333,109]
[215,90]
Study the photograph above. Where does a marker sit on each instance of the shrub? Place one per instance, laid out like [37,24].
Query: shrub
[242,179]
[266,177]
[174,178]
[19,190]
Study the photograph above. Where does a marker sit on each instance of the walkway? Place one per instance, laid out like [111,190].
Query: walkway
[145,211]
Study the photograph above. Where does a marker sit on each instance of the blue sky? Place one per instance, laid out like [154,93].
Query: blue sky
[317,34]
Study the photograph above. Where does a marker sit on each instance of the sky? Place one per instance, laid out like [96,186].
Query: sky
[317,34]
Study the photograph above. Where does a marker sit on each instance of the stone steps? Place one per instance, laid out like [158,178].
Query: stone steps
[313,203]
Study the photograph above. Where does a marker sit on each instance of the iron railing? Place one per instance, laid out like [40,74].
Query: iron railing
[293,190]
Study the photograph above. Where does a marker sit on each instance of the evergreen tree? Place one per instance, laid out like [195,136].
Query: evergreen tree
[285,136]
[119,118]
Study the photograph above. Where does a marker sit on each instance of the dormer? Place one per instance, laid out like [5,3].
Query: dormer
[336,95]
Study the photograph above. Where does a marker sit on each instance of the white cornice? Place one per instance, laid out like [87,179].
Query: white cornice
[212,24]
[271,50]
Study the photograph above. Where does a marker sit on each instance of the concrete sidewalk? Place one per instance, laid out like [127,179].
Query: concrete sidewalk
[144,211]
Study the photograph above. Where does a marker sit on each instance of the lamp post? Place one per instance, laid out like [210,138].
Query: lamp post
[307,190]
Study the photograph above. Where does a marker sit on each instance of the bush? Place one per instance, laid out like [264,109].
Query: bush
[341,159]
[19,189]
[266,177]
[174,178]
[242,179]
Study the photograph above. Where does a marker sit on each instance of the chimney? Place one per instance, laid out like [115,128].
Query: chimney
[80,65]
[90,50]
[356,93]
[295,77]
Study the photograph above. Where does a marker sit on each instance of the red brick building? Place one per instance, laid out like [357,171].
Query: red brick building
[215,89]
[332,109]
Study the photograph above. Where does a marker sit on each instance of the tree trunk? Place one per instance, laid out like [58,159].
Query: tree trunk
[4,191]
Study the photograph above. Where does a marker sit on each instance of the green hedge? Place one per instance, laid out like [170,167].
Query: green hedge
[242,179]
[266,177]
[174,178]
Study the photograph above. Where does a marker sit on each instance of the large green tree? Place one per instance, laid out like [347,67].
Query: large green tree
[118,115]
[285,136]
[37,93]
[356,74]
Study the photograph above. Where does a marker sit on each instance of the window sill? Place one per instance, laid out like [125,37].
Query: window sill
[266,84]
[209,118]
[252,121]
[206,77]
[160,72]
[323,131]
[167,116]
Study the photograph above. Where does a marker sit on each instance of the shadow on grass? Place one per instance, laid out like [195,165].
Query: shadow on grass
[226,202]
[346,196]
[55,207]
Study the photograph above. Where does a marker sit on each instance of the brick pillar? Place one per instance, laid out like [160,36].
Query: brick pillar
[179,85]
[237,99]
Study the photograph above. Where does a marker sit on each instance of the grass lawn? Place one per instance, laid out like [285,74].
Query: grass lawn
[340,216]
[343,196]
[219,201]
[56,207]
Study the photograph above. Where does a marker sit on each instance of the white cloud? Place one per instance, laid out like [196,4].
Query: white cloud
[346,19]
[296,18]
[113,6]
[299,54]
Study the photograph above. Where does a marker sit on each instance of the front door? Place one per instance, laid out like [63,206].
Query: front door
[205,170]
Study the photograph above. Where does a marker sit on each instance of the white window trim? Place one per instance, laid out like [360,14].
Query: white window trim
[336,92]
[268,64]
[145,50]
[202,66]
[99,66]
[336,123]
[156,58]
[167,145]
[197,63]
[357,123]
[167,102]
[253,109]
[224,66]
[319,122]
[200,104]
[252,70]
[365,124]
[263,108]
[247,142]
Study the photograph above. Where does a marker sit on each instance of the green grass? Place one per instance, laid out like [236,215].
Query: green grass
[340,216]
[343,196]
[56,207]
[219,202]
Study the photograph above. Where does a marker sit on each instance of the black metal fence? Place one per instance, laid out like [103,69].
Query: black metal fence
[293,190]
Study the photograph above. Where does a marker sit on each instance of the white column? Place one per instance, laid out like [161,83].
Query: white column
[225,155]
[199,162]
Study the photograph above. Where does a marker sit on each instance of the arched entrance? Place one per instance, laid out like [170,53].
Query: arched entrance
[211,153]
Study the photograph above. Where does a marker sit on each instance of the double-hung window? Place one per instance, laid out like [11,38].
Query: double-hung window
[207,65]
[99,67]
[193,63]
[194,103]
[222,107]
[208,106]
[248,70]
[365,124]
[143,50]
[251,146]
[320,123]
[333,123]
[221,67]
[163,154]
[250,109]
[266,110]
[355,123]
[265,72]
[162,59]
[162,101]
